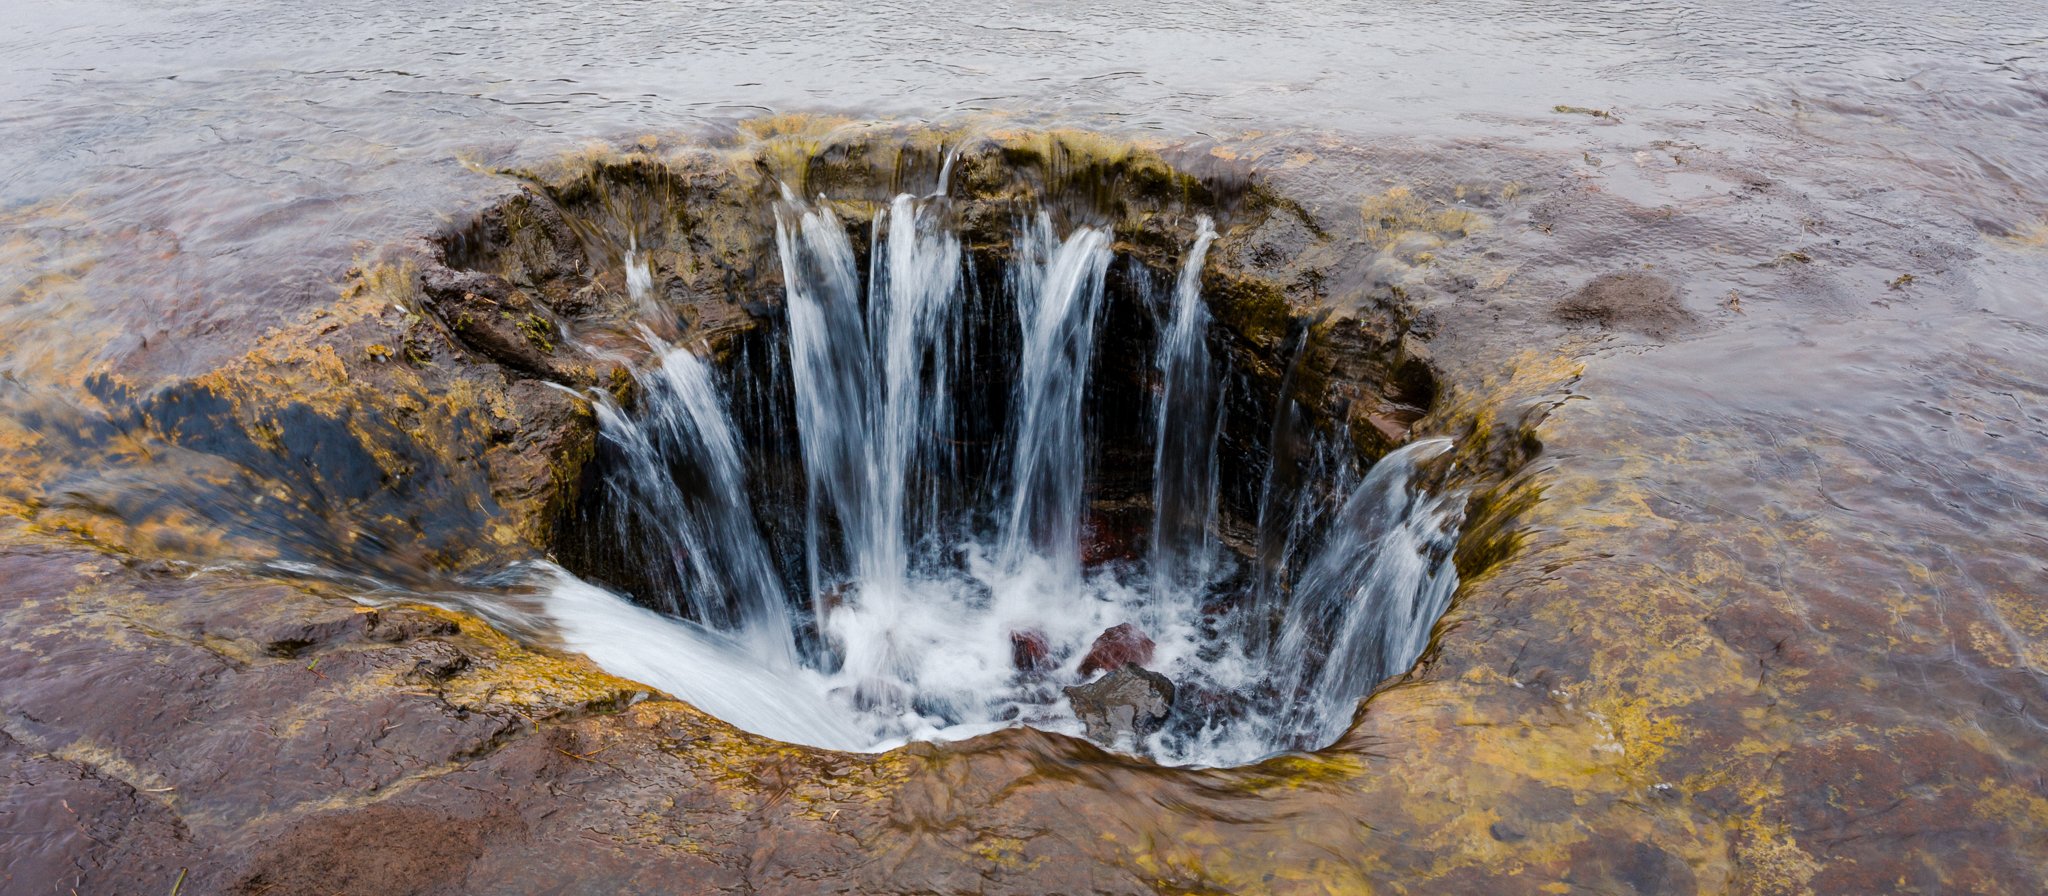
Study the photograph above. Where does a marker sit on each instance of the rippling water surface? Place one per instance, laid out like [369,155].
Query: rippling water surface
[244,144]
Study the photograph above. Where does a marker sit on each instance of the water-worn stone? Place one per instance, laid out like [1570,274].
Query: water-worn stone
[496,319]
[1030,651]
[1123,706]
[1119,646]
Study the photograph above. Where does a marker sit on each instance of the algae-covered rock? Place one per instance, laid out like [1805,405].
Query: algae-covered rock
[497,319]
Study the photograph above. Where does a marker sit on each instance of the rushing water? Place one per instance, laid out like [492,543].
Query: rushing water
[917,607]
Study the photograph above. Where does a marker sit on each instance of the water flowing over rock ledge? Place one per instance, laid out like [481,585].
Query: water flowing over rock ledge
[991,405]
[1622,705]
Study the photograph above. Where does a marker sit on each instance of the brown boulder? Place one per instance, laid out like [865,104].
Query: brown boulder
[1121,645]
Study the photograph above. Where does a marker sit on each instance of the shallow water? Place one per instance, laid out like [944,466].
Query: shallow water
[1864,456]
[246,147]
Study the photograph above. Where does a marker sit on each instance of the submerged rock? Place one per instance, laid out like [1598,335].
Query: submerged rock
[1628,300]
[1119,646]
[1030,651]
[1124,705]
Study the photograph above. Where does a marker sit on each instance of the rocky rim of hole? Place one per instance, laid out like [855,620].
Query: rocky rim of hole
[536,281]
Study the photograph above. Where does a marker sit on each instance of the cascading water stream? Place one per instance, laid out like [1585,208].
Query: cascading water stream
[681,485]
[1184,449]
[917,607]
[1057,284]
[1370,594]
[639,277]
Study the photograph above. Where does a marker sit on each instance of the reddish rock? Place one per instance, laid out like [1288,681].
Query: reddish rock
[1120,646]
[1030,651]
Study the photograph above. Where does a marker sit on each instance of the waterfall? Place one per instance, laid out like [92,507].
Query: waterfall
[1367,599]
[1187,415]
[680,483]
[869,371]
[639,276]
[919,570]
[914,292]
[1057,284]
[834,377]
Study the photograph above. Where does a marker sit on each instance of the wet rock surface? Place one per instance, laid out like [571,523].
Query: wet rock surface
[496,319]
[1119,646]
[1119,709]
[1687,676]
[1030,651]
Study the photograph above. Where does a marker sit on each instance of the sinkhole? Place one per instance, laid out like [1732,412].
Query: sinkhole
[928,440]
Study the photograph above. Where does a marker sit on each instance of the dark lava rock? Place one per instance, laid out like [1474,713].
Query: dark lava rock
[1128,703]
[1030,652]
[1628,300]
[1120,646]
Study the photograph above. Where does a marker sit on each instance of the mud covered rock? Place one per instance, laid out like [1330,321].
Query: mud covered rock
[1123,706]
[1628,300]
